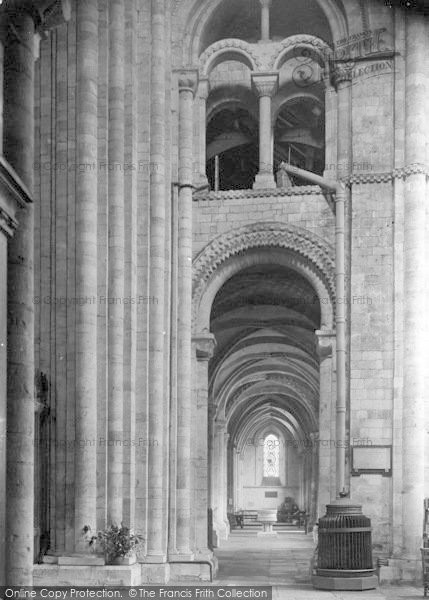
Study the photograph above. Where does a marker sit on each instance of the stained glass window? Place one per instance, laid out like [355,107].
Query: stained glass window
[271,456]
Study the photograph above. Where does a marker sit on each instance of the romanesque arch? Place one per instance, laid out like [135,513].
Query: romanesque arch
[290,245]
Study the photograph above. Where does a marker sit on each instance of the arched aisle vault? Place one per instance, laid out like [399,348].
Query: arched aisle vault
[262,291]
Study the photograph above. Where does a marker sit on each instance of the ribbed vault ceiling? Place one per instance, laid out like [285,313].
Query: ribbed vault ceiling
[265,370]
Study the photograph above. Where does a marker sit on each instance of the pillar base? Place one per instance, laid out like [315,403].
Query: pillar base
[56,575]
[344,583]
[154,558]
[74,560]
[264,181]
[181,557]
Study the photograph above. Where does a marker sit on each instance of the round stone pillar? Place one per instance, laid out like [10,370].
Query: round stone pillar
[415,394]
[218,470]
[157,475]
[116,266]
[19,152]
[187,87]
[203,348]
[20,50]
[266,85]
[326,469]
[85,483]
[203,94]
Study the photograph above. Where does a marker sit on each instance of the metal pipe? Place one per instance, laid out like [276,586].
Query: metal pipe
[340,317]
[326,184]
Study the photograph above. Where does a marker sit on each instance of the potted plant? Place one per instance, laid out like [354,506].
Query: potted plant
[118,544]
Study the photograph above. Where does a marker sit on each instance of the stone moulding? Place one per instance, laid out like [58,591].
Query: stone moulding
[303,190]
[321,48]
[386,177]
[307,247]
[223,46]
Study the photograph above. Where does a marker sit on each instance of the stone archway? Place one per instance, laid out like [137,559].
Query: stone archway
[295,250]
[225,255]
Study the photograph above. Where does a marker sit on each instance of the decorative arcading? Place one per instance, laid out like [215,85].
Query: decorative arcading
[232,44]
[304,245]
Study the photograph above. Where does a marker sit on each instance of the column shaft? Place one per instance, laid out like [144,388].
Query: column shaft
[265,20]
[204,346]
[19,151]
[184,313]
[116,143]
[265,85]
[86,271]
[265,155]
[203,92]
[157,527]
[415,278]
[2,33]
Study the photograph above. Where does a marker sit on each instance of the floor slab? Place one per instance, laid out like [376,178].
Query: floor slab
[283,561]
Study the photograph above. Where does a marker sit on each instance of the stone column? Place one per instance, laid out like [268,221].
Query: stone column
[86,271]
[325,350]
[224,489]
[314,437]
[266,85]
[218,466]
[187,87]
[3,30]
[157,511]
[20,50]
[116,142]
[19,152]
[13,195]
[6,229]
[204,344]
[265,20]
[415,396]
[330,129]
[203,94]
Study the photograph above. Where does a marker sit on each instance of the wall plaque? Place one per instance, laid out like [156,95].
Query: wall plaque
[372,459]
[271,495]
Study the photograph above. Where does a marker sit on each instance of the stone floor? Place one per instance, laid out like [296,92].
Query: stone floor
[283,561]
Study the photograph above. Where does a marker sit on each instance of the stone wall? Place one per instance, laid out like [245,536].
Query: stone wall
[218,213]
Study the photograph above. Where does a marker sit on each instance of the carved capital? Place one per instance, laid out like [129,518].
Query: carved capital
[204,344]
[341,73]
[47,14]
[265,3]
[53,14]
[220,426]
[265,84]
[204,88]
[325,343]
[188,80]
